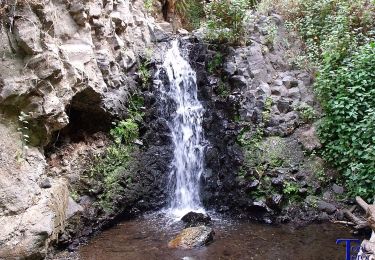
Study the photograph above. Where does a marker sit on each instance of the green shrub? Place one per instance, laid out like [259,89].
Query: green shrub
[108,171]
[306,112]
[348,129]
[149,5]
[339,35]
[125,131]
[215,63]
[225,21]
[191,12]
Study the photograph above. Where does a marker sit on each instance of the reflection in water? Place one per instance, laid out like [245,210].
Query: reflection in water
[146,239]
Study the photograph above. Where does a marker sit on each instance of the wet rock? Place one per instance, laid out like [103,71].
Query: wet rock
[323,217]
[238,82]
[27,33]
[290,82]
[253,185]
[326,207]
[337,189]
[73,208]
[158,34]
[275,201]
[192,237]
[194,219]
[340,215]
[259,206]
[120,24]
[294,93]
[279,181]
[230,68]
[283,106]
[182,32]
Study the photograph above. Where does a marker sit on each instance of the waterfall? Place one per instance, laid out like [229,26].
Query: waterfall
[180,102]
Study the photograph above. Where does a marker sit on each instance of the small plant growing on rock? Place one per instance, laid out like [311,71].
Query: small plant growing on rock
[23,129]
[266,114]
[215,64]
[306,112]
[125,131]
[223,90]
[149,5]
[110,170]
[271,33]
[291,190]
[144,68]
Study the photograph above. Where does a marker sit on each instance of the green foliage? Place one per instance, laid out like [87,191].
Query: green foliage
[216,63]
[223,90]
[225,21]
[149,5]
[135,106]
[125,131]
[74,194]
[331,29]
[339,35]
[266,114]
[322,177]
[144,69]
[108,171]
[348,130]
[290,189]
[271,33]
[306,112]
[23,119]
[191,12]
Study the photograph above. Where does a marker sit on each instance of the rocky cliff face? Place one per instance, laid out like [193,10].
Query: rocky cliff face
[69,68]
[260,110]
[59,54]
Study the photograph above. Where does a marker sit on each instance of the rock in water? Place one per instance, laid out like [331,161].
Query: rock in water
[194,219]
[192,237]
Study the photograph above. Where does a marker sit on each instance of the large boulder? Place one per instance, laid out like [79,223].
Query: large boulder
[192,237]
[32,215]
[193,219]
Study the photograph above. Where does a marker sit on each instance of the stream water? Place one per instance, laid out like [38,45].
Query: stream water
[147,238]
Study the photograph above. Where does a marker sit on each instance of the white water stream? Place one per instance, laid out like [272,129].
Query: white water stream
[187,134]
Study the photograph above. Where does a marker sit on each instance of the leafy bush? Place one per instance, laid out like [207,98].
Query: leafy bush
[191,12]
[339,35]
[332,29]
[149,5]
[125,131]
[215,63]
[225,20]
[109,170]
[348,130]
[306,112]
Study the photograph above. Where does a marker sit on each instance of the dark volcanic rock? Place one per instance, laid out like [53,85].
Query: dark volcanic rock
[326,207]
[194,219]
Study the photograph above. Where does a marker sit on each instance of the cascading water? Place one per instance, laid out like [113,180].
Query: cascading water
[179,100]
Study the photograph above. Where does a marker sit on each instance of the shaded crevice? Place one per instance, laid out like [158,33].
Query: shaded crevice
[86,117]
